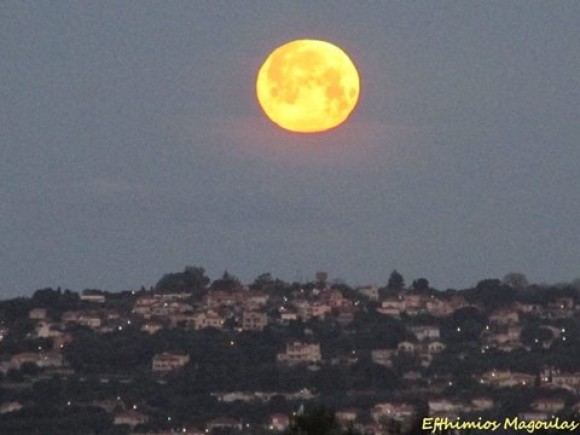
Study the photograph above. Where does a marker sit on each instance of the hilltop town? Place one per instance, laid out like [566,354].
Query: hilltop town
[196,356]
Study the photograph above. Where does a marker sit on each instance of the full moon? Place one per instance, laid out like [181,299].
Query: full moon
[308,86]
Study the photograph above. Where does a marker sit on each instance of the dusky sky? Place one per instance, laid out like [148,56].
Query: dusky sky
[132,144]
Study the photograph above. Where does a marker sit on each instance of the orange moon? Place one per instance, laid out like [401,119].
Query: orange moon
[308,86]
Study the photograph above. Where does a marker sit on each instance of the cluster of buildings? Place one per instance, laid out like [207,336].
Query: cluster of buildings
[241,309]
[170,310]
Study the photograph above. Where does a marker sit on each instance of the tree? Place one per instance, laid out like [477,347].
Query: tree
[421,285]
[262,281]
[516,281]
[14,375]
[29,369]
[536,335]
[193,279]
[492,294]
[464,325]
[46,297]
[319,421]
[226,282]
[396,281]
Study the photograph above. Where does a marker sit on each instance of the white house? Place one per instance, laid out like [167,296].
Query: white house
[298,352]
